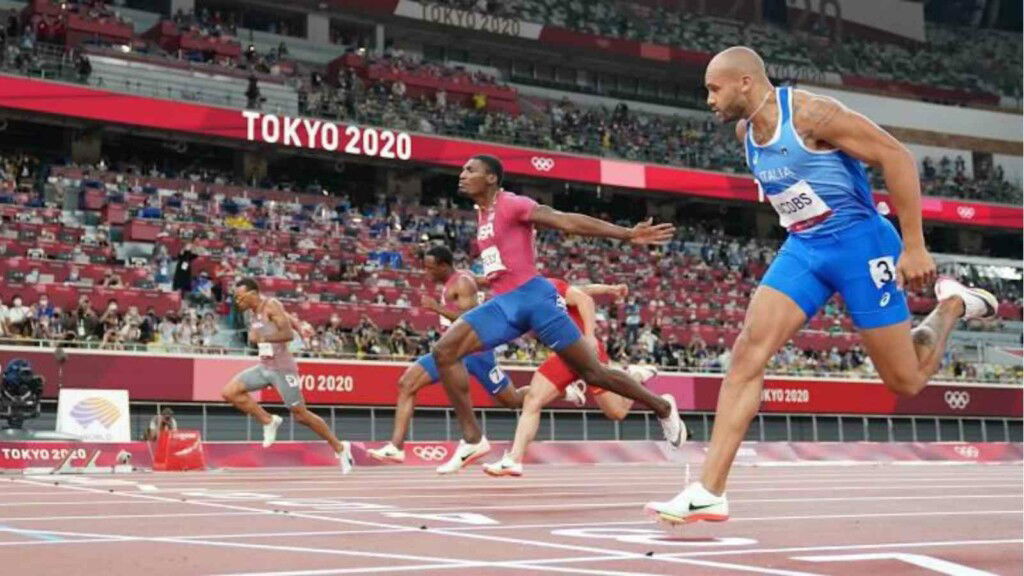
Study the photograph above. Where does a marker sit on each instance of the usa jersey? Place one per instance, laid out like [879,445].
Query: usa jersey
[815,192]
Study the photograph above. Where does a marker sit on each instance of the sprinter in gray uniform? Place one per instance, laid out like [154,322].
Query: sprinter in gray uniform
[272,329]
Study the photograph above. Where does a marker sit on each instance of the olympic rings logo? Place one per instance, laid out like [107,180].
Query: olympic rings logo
[430,453]
[957,399]
[542,164]
[967,451]
[965,212]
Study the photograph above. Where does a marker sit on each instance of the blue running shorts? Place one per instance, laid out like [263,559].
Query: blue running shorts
[859,263]
[483,366]
[535,306]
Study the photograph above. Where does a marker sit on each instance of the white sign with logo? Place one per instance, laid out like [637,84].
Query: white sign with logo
[94,415]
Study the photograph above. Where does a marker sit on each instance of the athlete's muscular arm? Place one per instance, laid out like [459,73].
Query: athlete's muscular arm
[572,223]
[465,297]
[823,119]
[282,321]
[574,296]
[617,290]
[303,328]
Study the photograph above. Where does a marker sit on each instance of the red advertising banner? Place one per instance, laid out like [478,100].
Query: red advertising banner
[75,101]
[200,378]
[43,455]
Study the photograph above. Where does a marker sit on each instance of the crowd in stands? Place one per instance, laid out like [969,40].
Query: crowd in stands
[692,141]
[949,178]
[952,57]
[362,295]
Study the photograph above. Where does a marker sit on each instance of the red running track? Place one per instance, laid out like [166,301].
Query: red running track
[964,520]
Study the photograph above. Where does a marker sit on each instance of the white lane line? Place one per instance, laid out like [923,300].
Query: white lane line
[538,495]
[129,516]
[560,481]
[307,533]
[244,545]
[640,503]
[471,536]
[887,545]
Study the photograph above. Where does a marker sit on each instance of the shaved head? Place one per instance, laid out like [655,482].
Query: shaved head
[736,79]
[738,61]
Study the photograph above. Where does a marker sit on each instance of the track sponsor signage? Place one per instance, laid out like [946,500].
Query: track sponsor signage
[200,379]
[470,20]
[66,100]
[94,415]
[40,455]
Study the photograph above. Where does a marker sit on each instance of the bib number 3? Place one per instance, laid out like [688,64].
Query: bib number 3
[883,270]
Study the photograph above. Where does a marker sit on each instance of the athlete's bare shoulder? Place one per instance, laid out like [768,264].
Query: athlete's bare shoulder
[465,285]
[813,113]
[274,306]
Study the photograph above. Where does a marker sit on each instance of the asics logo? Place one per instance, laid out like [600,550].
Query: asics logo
[957,399]
[884,301]
[542,163]
[965,212]
[430,453]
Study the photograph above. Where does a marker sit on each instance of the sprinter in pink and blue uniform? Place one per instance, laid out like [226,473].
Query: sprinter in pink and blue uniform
[524,301]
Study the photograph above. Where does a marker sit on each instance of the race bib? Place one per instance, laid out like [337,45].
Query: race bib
[799,207]
[883,270]
[491,258]
[266,349]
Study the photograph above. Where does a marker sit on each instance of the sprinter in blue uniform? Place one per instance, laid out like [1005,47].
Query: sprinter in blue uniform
[806,153]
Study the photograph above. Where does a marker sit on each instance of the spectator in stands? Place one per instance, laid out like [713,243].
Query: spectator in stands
[159,423]
[202,290]
[183,270]
[367,337]
[4,312]
[18,318]
[44,308]
[112,279]
[110,323]
[253,99]
[83,67]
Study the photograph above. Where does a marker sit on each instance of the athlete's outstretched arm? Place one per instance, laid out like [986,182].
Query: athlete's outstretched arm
[583,225]
[827,120]
[617,290]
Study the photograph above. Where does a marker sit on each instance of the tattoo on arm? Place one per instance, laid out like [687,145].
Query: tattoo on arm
[815,115]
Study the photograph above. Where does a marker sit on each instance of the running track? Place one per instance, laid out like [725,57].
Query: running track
[964,520]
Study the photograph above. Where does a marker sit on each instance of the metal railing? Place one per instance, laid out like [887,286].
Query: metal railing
[1009,379]
[219,422]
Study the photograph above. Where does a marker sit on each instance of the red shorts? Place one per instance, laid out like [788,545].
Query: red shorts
[556,370]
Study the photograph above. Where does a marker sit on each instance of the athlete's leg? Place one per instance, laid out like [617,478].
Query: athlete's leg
[772,318]
[413,379]
[237,394]
[315,423]
[511,397]
[615,407]
[459,341]
[905,358]
[540,393]
[582,357]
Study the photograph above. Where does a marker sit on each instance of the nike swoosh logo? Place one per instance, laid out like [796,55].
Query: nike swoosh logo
[695,508]
[467,456]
